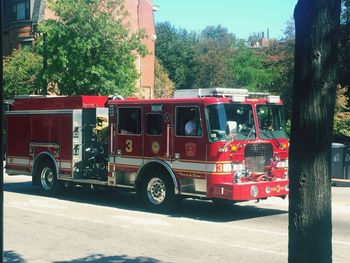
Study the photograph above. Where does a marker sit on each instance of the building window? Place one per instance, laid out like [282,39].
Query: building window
[20,10]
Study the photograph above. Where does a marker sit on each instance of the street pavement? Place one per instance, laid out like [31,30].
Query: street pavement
[86,225]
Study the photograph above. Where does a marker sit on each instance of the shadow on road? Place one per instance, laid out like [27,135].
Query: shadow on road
[203,210]
[10,256]
[109,259]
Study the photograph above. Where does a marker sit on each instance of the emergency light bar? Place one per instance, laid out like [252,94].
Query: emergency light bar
[273,99]
[18,97]
[238,98]
[210,92]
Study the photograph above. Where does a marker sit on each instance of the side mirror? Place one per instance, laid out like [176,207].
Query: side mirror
[231,129]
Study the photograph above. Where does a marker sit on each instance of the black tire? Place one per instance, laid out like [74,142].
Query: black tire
[48,178]
[157,191]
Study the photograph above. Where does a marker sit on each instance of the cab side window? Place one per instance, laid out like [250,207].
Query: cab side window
[188,122]
[154,124]
[129,121]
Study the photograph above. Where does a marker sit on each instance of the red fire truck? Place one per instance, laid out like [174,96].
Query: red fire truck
[219,144]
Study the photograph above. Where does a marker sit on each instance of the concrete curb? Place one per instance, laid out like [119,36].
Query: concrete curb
[340,182]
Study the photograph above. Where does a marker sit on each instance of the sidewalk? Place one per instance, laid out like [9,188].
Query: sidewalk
[340,182]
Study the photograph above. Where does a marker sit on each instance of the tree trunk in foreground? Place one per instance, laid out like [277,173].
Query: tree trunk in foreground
[310,217]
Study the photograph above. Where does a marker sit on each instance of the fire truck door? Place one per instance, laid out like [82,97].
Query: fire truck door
[157,135]
[189,149]
[129,139]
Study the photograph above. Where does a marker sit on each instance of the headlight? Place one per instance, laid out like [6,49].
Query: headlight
[238,167]
[282,164]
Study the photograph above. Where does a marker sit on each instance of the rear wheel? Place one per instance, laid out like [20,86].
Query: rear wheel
[157,191]
[48,178]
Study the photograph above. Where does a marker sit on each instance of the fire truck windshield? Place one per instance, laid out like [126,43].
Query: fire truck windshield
[240,116]
[271,121]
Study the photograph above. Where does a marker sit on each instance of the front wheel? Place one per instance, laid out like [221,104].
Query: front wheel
[48,178]
[157,191]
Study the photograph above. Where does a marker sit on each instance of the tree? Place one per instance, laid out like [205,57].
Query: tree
[163,86]
[344,46]
[22,73]
[175,50]
[280,57]
[310,225]
[90,49]
[250,69]
[192,60]
[342,114]
[212,68]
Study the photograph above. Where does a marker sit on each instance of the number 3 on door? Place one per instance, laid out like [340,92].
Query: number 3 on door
[128,147]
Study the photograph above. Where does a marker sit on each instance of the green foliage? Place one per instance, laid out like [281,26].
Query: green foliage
[163,86]
[90,49]
[22,71]
[175,50]
[342,114]
[280,57]
[215,45]
[193,60]
[251,70]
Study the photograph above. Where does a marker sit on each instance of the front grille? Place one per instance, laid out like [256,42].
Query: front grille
[257,156]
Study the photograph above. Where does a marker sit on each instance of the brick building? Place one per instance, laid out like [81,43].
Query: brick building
[21,16]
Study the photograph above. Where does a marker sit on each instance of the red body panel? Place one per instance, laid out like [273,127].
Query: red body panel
[56,103]
[44,124]
[242,192]
[38,129]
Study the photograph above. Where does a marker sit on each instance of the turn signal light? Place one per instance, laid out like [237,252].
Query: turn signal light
[284,146]
[234,148]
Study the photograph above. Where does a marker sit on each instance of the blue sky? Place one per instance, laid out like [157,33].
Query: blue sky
[241,17]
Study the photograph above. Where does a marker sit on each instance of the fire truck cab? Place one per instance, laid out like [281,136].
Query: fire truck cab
[218,144]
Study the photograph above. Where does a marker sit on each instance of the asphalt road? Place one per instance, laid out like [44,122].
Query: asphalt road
[93,226]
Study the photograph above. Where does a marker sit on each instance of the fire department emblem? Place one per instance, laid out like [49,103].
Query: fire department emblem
[190,149]
[167,117]
[155,147]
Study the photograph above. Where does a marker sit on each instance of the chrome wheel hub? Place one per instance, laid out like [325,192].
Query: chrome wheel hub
[47,178]
[156,191]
